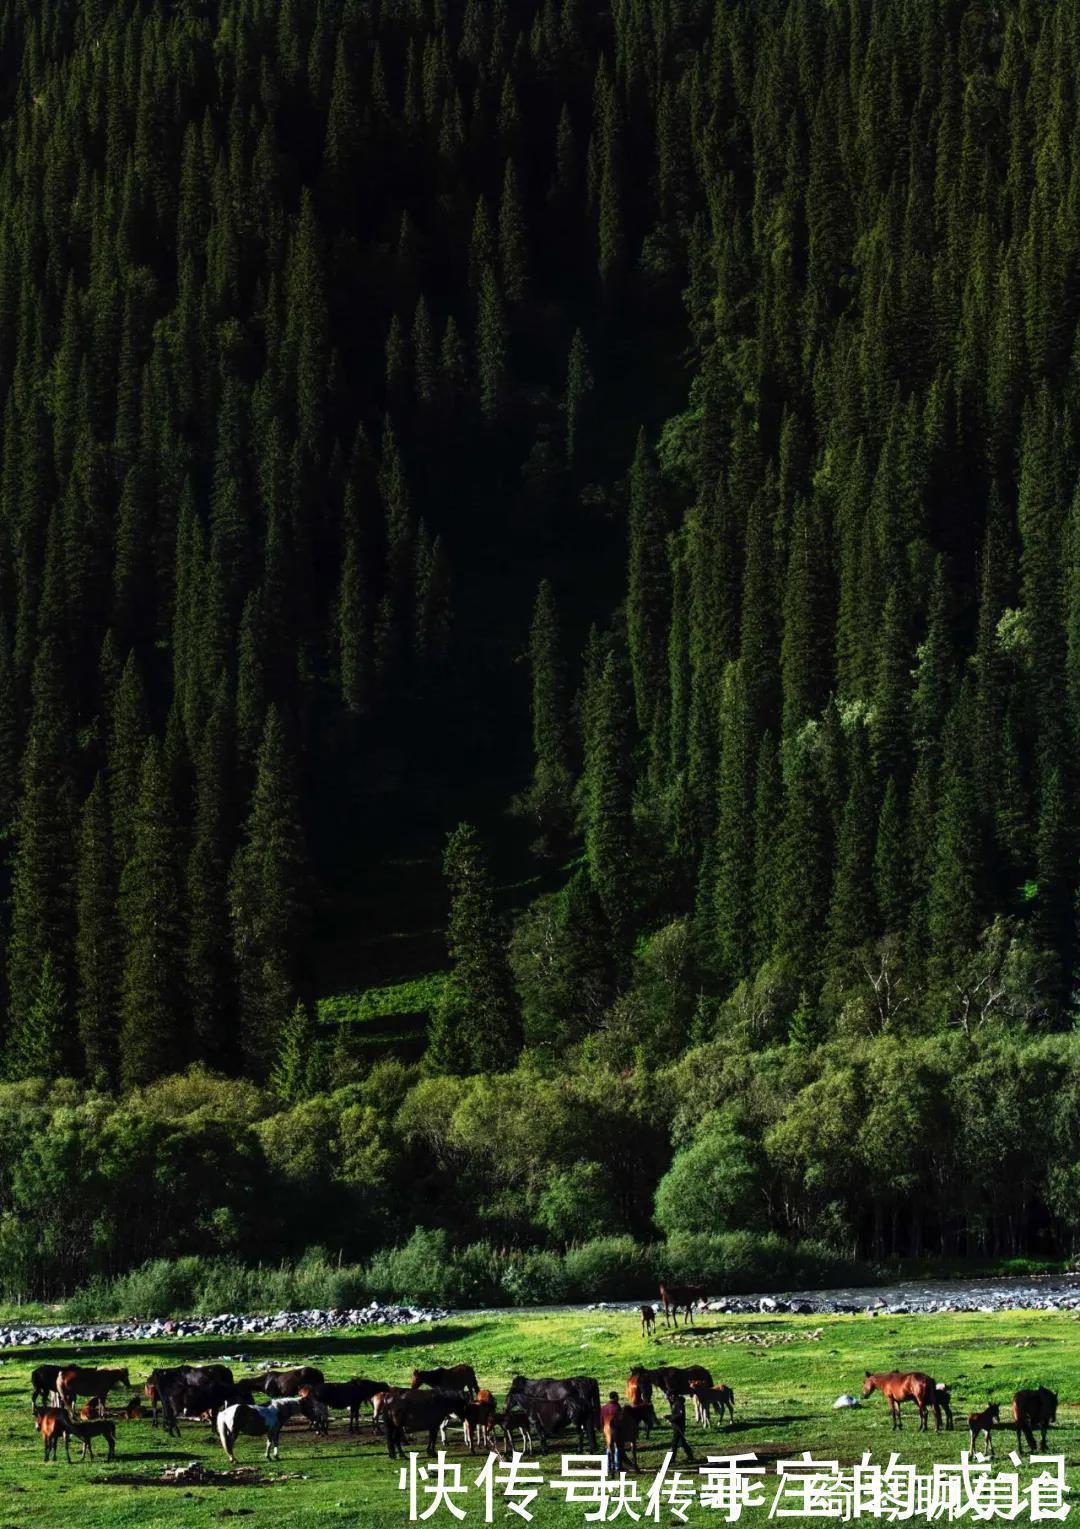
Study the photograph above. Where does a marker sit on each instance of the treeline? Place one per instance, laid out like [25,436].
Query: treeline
[737,1168]
[325,336]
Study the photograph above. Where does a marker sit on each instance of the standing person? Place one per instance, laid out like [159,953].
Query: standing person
[610,1421]
[677,1414]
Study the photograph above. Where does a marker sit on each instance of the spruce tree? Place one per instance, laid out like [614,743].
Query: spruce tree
[474,1025]
[648,596]
[608,798]
[97,941]
[549,794]
[153,991]
[491,347]
[267,900]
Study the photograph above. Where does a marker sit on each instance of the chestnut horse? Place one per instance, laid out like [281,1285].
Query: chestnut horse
[901,1386]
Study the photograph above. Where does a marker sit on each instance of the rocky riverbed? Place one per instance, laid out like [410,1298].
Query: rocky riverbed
[1043,1293]
[225,1325]
[1046,1293]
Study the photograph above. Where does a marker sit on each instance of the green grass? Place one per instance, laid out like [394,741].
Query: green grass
[417,995]
[784,1389]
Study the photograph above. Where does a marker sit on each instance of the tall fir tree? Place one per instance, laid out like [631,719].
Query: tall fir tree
[474,1026]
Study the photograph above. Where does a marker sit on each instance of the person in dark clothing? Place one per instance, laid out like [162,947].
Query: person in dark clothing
[610,1420]
[677,1415]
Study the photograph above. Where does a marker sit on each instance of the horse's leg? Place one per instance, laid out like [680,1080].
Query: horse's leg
[1029,1435]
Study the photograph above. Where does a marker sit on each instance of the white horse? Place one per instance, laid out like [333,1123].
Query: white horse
[247,1418]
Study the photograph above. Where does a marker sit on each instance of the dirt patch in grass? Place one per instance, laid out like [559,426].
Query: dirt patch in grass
[199,1475]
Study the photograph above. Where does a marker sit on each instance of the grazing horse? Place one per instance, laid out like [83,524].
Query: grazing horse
[96,1428]
[427,1410]
[678,1298]
[1031,1410]
[941,1401]
[193,1390]
[346,1394]
[457,1377]
[549,1415]
[53,1424]
[708,1397]
[648,1321]
[983,1422]
[45,1380]
[900,1386]
[74,1382]
[672,1382]
[246,1418]
[284,1383]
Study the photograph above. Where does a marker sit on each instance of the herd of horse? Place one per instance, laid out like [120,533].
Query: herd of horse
[535,1411]
[1032,1410]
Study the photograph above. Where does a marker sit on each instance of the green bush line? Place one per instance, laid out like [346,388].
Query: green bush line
[426,1271]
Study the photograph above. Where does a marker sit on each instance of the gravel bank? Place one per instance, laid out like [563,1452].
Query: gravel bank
[225,1325]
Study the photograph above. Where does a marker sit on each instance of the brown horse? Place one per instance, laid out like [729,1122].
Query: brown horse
[1031,1410]
[648,1321]
[898,1386]
[984,1422]
[678,1298]
[708,1397]
[672,1382]
[74,1382]
[53,1424]
[457,1377]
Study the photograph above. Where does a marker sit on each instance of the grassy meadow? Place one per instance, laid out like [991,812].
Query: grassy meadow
[786,1372]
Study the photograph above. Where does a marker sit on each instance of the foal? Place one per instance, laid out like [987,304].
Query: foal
[648,1321]
[984,1422]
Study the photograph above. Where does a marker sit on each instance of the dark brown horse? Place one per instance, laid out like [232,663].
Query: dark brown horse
[648,1321]
[984,1422]
[1031,1410]
[898,1386]
[672,1381]
[457,1377]
[678,1298]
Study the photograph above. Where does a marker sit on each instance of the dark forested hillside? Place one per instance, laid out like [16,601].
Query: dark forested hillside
[646,432]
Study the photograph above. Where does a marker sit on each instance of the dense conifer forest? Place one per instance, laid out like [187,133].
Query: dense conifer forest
[566,514]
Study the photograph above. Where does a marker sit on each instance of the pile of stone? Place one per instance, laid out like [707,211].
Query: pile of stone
[195,1474]
[690,1338]
[1054,1293]
[226,1324]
